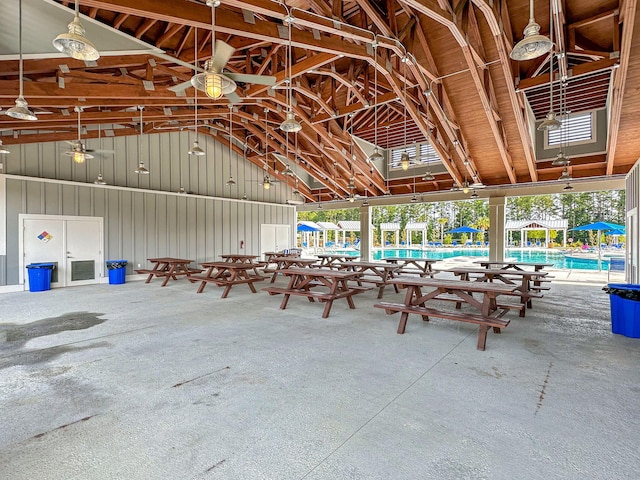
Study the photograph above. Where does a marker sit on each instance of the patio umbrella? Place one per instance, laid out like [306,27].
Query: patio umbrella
[600,226]
[464,229]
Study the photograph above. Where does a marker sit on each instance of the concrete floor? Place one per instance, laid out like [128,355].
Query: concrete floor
[136,381]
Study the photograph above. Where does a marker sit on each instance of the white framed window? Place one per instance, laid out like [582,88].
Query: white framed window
[427,155]
[576,129]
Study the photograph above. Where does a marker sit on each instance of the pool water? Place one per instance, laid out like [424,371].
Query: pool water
[520,255]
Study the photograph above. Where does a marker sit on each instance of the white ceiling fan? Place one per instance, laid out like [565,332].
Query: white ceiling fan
[78,151]
[213,81]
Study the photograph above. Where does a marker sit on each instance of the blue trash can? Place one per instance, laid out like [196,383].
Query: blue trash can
[40,276]
[624,299]
[117,271]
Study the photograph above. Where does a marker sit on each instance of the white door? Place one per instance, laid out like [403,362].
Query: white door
[73,244]
[274,238]
[83,265]
[43,242]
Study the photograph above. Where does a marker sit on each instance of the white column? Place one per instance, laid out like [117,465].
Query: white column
[366,234]
[496,233]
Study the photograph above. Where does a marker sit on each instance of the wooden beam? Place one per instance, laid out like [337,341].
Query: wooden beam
[628,15]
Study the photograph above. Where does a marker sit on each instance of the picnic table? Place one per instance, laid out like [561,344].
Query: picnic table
[168,267]
[305,281]
[506,265]
[526,290]
[282,263]
[421,266]
[226,274]
[376,273]
[334,260]
[490,312]
[242,258]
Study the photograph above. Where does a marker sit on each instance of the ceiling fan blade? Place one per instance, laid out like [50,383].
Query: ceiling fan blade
[233,97]
[247,78]
[181,87]
[221,56]
[89,150]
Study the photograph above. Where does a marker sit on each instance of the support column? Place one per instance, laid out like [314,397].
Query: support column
[366,234]
[497,231]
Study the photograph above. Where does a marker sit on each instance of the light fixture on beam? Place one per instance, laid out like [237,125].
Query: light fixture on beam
[533,45]
[561,160]
[141,170]
[405,162]
[3,149]
[21,110]
[465,186]
[74,44]
[568,186]
[428,176]
[565,175]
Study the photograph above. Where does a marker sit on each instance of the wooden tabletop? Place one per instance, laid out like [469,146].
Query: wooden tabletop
[294,260]
[237,256]
[321,272]
[337,256]
[386,266]
[494,271]
[229,265]
[515,264]
[407,259]
[169,260]
[498,288]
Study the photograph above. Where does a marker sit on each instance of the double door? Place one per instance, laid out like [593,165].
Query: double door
[72,244]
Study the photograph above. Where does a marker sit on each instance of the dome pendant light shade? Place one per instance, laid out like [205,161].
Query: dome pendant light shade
[74,44]
[3,149]
[231,182]
[78,154]
[290,124]
[550,123]
[266,183]
[99,180]
[568,186]
[561,160]
[565,175]
[141,170]
[428,176]
[21,110]
[376,156]
[196,150]
[533,45]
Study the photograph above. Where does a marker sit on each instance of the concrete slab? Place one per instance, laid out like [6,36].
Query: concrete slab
[137,381]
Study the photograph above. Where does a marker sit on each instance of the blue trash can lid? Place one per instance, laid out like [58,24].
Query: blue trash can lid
[116,261]
[41,265]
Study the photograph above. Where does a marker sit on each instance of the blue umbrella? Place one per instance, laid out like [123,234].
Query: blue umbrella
[463,229]
[307,228]
[600,226]
[616,231]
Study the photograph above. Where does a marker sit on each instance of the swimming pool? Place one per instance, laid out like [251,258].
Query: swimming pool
[520,255]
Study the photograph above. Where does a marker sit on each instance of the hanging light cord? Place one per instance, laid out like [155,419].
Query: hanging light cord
[375,83]
[20,45]
[550,59]
[195,47]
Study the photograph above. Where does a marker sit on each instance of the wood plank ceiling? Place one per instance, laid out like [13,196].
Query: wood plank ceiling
[443,73]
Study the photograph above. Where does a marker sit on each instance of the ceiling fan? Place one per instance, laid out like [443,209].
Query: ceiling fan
[78,151]
[213,81]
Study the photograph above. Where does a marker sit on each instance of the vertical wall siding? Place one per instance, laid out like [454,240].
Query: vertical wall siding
[141,225]
[164,154]
[144,224]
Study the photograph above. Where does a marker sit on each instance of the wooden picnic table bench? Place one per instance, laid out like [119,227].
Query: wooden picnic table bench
[526,278]
[226,274]
[334,260]
[168,267]
[414,302]
[411,266]
[376,273]
[283,263]
[303,280]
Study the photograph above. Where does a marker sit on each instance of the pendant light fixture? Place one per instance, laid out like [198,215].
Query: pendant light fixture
[568,186]
[290,124]
[376,156]
[3,149]
[561,159]
[550,122]
[533,45]
[73,43]
[141,170]
[565,175]
[78,151]
[474,195]
[195,149]
[266,180]
[231,182]
[21,110]
[100,179]
[404,158]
